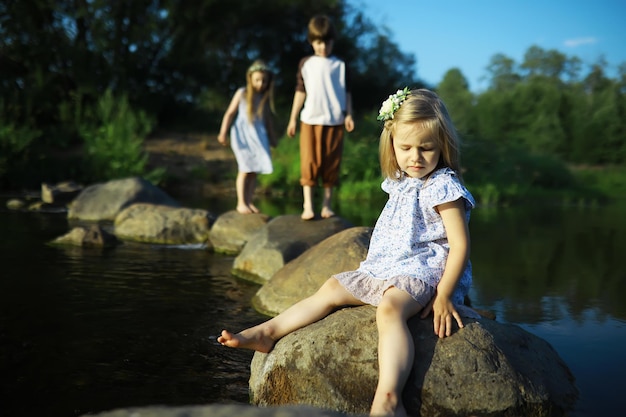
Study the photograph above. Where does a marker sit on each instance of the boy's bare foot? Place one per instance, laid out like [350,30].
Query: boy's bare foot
[258,342]
[307,214]
[243,209]
[327,213]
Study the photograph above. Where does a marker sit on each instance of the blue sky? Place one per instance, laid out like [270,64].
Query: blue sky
[465,34]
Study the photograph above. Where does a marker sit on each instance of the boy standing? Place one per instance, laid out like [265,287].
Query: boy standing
[323,90]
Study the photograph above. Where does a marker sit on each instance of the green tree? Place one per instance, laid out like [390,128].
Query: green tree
[454,91]
[503,73]
[535,111]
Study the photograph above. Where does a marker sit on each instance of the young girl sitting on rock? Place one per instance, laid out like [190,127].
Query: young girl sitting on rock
[418,258]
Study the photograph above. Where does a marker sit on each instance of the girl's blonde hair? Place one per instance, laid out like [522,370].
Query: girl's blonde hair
[424,107]
[266,103]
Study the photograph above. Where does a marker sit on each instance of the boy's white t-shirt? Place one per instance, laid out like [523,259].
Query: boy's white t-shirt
[323,79]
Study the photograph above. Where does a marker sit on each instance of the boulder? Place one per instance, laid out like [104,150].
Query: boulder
[15,204]
[167,225]
[302,276]
[92,236]
[486,368]
[220,410]
[104,201]
[232,230]
[282,239]
[61,193]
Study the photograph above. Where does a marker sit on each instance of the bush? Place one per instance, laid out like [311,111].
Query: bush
[14,144]
[113,135]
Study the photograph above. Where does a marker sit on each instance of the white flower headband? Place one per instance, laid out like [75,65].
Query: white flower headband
[392,104]
[258,67]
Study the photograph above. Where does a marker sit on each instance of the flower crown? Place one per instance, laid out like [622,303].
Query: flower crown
[258,67]
[392,104]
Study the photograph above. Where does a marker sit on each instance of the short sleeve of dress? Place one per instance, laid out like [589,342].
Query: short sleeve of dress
[386,185]
[444,186]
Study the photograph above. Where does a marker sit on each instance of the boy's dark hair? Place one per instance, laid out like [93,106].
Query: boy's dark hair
[320,29]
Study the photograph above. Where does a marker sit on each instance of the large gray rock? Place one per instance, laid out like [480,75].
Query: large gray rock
[150,223]
[61,193]
[302,276]
[232,230]
[217,410]
[104,201]
[282,239]
[92,236]
[486,368]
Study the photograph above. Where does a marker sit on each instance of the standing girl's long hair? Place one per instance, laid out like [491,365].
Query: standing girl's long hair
[265,104]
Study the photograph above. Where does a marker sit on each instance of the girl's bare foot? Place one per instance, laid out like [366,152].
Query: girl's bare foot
[253,208]
[258,342]
[327,213]
[389,407]
[243,209]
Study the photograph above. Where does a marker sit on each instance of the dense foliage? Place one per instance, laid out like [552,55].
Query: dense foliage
[178,62]
[100,75]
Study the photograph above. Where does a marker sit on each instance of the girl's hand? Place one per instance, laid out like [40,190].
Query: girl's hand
[222,139]
[443,313]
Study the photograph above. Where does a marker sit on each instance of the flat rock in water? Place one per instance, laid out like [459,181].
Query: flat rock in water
[302,276]
[232,230]
[104,201]
[217,410]
[158,224]
[282,239]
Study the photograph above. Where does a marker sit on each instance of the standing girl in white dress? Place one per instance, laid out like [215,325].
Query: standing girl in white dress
[252,132]
[418,258]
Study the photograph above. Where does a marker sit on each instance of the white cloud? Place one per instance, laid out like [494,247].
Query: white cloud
[573,43]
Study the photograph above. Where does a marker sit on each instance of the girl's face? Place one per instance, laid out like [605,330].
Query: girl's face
[416,151]
[259,81]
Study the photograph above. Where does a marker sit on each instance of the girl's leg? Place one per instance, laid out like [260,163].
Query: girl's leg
[395,351]
[262,337]
[240,185]
[327,210]
[250,189]
[307,212]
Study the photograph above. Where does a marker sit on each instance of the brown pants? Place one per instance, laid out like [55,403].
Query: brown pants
[320,154]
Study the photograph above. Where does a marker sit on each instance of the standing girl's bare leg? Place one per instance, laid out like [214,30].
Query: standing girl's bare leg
[250,188]
[262,337]
[395,351]
[240,185]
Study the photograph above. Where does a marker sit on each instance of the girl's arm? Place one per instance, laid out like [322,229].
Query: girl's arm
[453,215]
[269,127]
[230,114]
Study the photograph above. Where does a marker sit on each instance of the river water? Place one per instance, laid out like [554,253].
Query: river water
[87,330]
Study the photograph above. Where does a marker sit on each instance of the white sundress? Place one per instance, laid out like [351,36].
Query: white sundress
[409,247]
[250,142]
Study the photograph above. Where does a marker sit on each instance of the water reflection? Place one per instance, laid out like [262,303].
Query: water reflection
[549,262]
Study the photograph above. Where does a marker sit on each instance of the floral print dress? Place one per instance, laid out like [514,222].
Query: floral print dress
[409,246]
